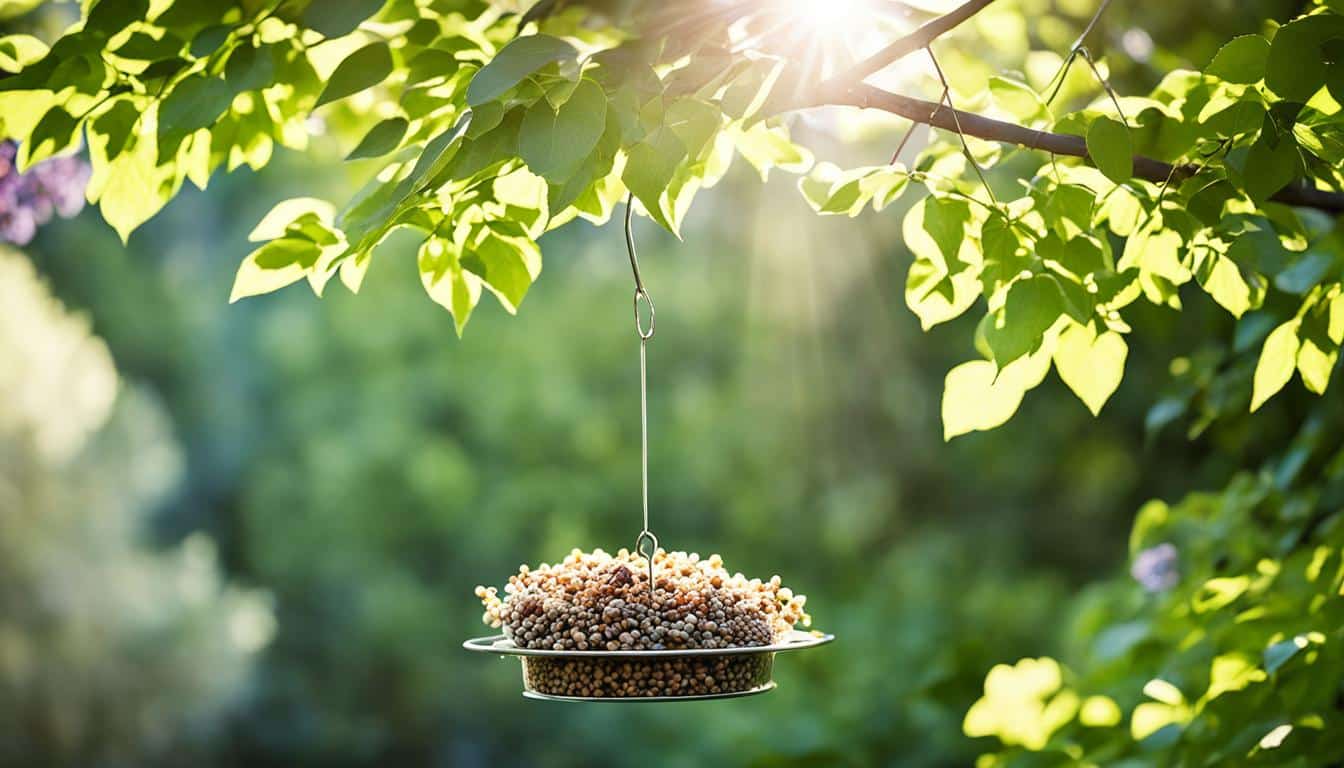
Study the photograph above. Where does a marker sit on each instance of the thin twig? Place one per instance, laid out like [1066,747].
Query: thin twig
[907,45]
[965,148]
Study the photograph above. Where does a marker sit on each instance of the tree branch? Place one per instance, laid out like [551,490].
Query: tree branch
[941,116]
[907,45]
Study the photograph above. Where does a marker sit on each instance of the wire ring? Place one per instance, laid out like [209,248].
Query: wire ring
[643,295]
[647,537]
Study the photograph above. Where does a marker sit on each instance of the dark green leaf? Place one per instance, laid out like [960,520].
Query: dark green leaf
[208,40]
[362,69]
[1032,306]
[514,62]
[1241,60]
[337,18]
[195,103]
[1269,168]
[1109,147]
[249,68]
[553,143]
[381,139]
[1296,67]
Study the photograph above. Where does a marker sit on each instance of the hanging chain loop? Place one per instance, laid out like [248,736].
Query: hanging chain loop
[646,544]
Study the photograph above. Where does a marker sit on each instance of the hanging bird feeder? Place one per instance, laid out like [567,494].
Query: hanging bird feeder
[643,625]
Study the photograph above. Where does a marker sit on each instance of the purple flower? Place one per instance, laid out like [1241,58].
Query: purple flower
[1156,568]
[28,200]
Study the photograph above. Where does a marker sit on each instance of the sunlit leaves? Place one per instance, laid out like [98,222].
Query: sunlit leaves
[980,395]
[943,280]
[832,191]
[514,62]
[1033,305]
[1091,364]
[1278,359]
[448,284]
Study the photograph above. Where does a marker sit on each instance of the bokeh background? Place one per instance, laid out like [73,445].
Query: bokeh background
[249,534]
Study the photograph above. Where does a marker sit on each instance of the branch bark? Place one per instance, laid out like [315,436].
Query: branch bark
[941,116]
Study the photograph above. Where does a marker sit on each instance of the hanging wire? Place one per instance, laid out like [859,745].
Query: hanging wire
[646,537]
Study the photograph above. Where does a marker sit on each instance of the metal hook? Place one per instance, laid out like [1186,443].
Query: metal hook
[640,293]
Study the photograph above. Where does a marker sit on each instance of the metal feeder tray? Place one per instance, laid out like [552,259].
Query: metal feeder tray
[670,675]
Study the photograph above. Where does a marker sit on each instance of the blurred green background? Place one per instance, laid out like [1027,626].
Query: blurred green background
[249,535]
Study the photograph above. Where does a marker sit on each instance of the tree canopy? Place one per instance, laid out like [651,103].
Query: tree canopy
[481,126]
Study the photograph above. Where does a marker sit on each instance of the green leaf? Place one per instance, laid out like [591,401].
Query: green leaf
[456,289]
[1223,280]
[381,139]
[508,265]
[554,143]
[1280,653]
[1270,166]
[1241,60]
[650,166]
[362,69]
[979,396]
[208,40]
[1032,306]
[515,61]
[53,134]
[194,103]
[18,51]
[1278,359]
[275,223]
[273,266]
[337,18]
[1296,67]
[137,187]
[1018,99]
[766,147]
[1109,146]
[249,68]
[1091,365]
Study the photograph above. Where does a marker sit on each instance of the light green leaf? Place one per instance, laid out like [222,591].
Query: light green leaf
[456,289]
[507,265]
[1241,60]
[1316,361]
[1278,358]
[650,166]
[381,139]
[362,69]
[517,60]
[1108,144]
[136,186]
[1223,280]
[979,396]
[55,133]
[1018,99]
[766,147]
[273,266]
[274,224]
[18,51]
[1091,365]
[554,143]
